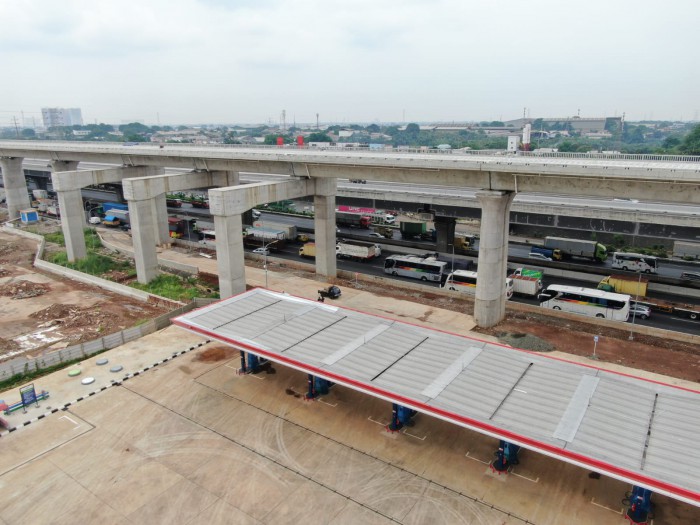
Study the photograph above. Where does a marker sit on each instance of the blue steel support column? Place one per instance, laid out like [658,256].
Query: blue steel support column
[400,417]
[506,456]
[244,368]
[640,506]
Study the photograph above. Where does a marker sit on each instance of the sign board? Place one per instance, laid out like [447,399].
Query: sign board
[28,395]
[595,338]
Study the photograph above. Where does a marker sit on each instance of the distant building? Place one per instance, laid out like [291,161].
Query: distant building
[575,123]
[59,117]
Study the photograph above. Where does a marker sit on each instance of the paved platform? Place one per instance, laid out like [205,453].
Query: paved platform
[190,441]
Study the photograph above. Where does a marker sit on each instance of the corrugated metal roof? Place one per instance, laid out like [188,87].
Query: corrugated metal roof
[637,430]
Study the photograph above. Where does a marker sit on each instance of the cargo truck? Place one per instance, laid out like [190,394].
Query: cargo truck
[108,206]
[637,289]
[308,250]
[357,250]
[352,220]
[463,242]
[416,230]
[122,215]
[384,231]
[624,284]
[267,237]
[290,231]
[527,282]
[563,248]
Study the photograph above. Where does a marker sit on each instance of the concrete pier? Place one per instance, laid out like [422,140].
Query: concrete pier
[324,226]
[16,192]
[490,302]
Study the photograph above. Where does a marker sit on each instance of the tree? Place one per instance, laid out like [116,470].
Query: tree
[319,137]
[28,133]
[372,128]
[691,142]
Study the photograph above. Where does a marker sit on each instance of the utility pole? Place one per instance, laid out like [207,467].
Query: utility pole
[14,120]
[317,121]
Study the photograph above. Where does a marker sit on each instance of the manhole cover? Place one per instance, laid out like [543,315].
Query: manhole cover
[88,380]
[73,373]
[116,368]
[102,361]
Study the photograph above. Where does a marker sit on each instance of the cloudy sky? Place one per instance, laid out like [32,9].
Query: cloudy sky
[244,61]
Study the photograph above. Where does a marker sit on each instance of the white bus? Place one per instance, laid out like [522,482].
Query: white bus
[635,262]
[423,268]
[465,282]
[586,301]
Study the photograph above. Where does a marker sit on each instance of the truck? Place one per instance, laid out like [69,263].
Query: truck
[686,250]
[107,206]
[463,242]
[624,284]
[637,288]
[177,227]
[563,248]
[264,237]
[417,230]
[384,231]
[352,219]
[357,250]
[308,250]
[527,282]
[111,221]
[199,203]
[122,215]
[290,231]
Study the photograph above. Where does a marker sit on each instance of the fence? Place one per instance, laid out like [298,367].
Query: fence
[83,350]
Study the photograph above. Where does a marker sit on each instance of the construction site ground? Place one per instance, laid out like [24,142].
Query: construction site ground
[40,311]
[191,441]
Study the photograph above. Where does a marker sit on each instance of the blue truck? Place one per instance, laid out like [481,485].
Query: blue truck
[106,206]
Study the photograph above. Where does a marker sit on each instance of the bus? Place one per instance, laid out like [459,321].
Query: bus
[635,262]
[586,301]
[416,267]
[465,282]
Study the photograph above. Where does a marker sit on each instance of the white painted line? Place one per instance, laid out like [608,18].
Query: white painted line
[477,459]
[519,390]
[255,376]
[377,422]
[236,368]
[327,403]
[524,477]
[622,511]
[69,419]
[406,432]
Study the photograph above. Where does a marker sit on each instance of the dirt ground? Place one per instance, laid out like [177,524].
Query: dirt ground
[42,312]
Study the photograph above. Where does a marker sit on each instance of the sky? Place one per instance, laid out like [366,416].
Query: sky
[247,61]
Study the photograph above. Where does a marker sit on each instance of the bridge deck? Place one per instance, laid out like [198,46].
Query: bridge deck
[629,428]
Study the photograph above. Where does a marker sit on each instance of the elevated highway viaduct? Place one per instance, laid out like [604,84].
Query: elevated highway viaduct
[313,172]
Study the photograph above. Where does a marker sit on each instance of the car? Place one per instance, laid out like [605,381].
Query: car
[332,292]
[262,251]
[690,276]
[375,234]
[640,311]
[539,256]
[95,220]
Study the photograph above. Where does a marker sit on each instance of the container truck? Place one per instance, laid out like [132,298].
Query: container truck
[416,230]
[637,289]
[267,237]
[352,220]
[567,248]
[357,250]
[463,242]
[527,282]
[686,250]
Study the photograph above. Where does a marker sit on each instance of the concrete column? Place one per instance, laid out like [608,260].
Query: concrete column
[226,178]
[230,257]
[160,219]
[70,205]
[490,303]
[143,233]
[16,192]
[324,227]
[72,223]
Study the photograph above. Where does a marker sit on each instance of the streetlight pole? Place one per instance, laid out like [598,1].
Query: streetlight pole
[453,257]
[636,298]
[264,252]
